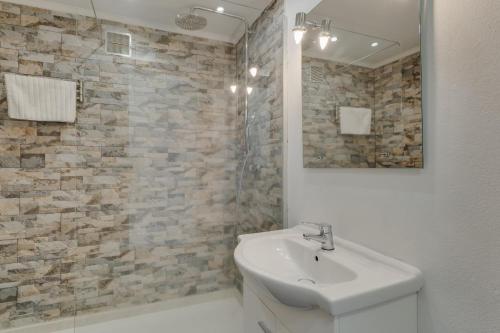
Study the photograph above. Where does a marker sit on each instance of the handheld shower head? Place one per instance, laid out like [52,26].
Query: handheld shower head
[190,21]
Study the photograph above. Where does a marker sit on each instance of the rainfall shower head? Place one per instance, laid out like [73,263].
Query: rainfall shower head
[190,21]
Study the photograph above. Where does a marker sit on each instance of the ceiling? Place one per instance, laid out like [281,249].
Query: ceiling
[381,21]
[160,14]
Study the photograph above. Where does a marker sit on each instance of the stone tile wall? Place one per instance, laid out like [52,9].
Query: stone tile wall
[398,114]
[393,91]
[134,203]
[262,186]
[336,85]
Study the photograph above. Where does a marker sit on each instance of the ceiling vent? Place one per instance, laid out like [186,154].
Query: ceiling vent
[118,43]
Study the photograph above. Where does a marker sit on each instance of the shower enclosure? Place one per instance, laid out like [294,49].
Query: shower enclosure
[135,207]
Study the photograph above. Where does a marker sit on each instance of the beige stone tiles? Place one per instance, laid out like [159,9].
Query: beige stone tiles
[10,156]
[9,60]
[10,14]
[324,146]
[14,131]
[14,37]
[133,203]
[42,19]
[262,184]
[399,129]
[396,131]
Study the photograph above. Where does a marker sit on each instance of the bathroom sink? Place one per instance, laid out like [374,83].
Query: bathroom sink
[296,272]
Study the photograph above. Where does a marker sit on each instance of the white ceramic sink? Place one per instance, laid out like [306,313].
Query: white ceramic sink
[296,272]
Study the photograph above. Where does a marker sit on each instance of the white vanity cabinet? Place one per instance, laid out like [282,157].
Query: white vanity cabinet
[292,285]
[263,315]
[257,317]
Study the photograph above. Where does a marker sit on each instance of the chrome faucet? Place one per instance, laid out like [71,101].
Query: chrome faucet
[325,236]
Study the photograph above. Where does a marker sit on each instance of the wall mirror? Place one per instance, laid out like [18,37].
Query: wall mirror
[361,84]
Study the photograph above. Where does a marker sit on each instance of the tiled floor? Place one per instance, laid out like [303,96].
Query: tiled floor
[218,316]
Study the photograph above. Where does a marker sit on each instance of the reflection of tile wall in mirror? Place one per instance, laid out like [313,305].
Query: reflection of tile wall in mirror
[324,146]
[393,93]
[398,114]
[371,62]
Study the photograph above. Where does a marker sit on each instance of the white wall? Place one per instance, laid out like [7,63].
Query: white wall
[444,219]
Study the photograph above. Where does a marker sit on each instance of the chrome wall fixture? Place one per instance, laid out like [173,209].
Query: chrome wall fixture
[325,34]
[302,25]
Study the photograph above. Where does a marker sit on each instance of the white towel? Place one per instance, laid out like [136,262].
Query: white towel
[357,121]
[41,99]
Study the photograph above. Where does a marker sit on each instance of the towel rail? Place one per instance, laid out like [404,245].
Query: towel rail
[80,91]
[334,116]
[80,85]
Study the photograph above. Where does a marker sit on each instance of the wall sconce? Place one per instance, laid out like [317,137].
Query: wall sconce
[302,25]
[325,34]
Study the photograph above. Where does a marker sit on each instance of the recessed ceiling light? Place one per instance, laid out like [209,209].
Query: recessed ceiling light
[334,39]
[374,44]
[220,9]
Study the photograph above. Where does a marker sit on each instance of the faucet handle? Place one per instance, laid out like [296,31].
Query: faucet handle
[325,236]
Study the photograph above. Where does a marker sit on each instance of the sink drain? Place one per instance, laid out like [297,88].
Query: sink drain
[311,281]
